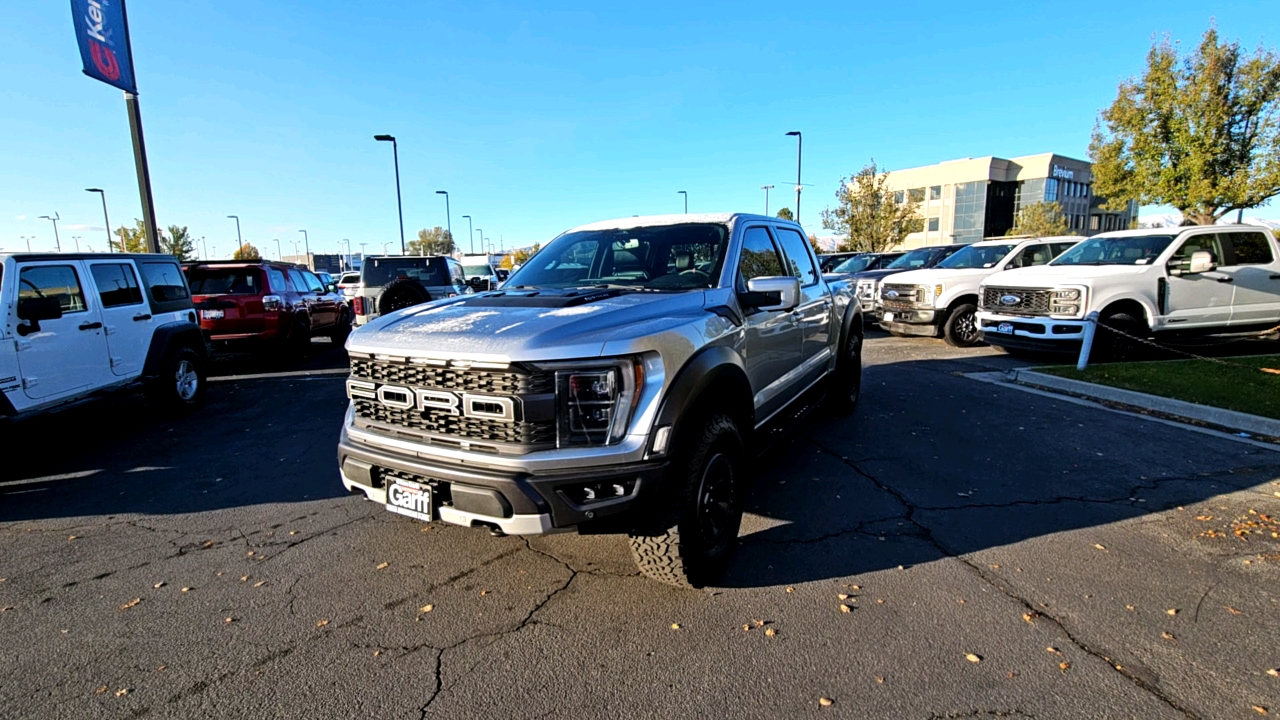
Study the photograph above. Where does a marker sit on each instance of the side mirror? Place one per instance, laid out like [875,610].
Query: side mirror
[331,287]
[35,309]
[771,293]
[1201,261]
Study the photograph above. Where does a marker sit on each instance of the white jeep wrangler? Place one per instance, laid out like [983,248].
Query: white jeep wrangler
[1164,282]
[76,326]
[943,300]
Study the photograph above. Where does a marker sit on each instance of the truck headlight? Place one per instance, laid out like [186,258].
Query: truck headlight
[1065,301]
[594,401]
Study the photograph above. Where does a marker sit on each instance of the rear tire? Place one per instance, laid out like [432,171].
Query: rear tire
[692,546]
[180,386]
[961,328]
[300,337]
[342,329]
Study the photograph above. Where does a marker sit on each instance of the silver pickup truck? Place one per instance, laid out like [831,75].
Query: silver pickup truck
[620,382]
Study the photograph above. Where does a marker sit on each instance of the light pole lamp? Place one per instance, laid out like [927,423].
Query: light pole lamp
[799,156]
[471,236]
[348,242]
[766,189]
[481,234]
[448,220]
[279,252]
[307,247]
[54,220]
[395,153]
[362,254]
[76,238]
[239,240]
[105,219]
[686,200]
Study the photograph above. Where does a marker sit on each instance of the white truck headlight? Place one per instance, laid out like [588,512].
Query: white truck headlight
[1065,301]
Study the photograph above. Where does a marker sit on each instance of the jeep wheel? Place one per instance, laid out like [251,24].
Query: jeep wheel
[342,329]
[961,329]
[846,384]
[694,547]
[181,383]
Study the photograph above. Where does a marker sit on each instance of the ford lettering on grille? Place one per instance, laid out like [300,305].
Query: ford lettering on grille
[465,404]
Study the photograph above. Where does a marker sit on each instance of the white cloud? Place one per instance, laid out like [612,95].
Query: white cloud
[82,226]
[21,217]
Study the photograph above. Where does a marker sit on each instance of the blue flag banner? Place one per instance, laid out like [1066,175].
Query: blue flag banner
[103,33]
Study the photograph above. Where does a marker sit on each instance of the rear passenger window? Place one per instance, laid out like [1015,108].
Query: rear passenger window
[759,257]
[52,281]
[796,246]
[275,278]
[164,281]
[117,285]
[298,282]
[1251,248]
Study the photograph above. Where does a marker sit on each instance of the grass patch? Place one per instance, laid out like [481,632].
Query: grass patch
[1241,386]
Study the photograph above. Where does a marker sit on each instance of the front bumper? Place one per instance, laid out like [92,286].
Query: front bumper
[1044,334]
[515,502]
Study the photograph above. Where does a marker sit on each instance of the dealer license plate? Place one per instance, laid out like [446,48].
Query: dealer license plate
[411,499]
[212,314]
[1006,328]
[888,317]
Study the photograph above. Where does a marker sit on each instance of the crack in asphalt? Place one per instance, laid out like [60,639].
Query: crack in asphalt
[927,535]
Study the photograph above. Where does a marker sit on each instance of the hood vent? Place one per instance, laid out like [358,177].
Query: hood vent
[542,298]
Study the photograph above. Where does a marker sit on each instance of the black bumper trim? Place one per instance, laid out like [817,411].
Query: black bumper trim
[1019,342]
[924,329]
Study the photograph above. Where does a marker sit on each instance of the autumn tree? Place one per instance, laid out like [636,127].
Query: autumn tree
[436,241]
[1199,132]
[785,214]
[521,256]
[178,243]
[134,239]
[246,252]
[1042,219]
[869,216]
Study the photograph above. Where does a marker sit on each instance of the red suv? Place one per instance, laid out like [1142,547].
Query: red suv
[264,301]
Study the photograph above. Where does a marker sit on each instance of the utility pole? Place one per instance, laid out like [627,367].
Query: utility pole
[395,152]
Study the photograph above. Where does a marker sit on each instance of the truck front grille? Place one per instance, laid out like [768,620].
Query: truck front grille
[480,382]
[439,423]
[1028,301]
[909,296]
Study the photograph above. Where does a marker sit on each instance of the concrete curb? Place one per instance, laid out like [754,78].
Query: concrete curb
[1229,419]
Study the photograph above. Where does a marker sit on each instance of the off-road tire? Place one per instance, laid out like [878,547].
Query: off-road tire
[1109,346]
[401,293]
[180,386]
[961,328]
[300,337]
[342,328]
[846,383]
[680,552]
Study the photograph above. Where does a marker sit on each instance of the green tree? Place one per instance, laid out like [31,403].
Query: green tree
[1042,219]
[785,214]
[178,243]
[132,239]
[813,243]
[246,252]
[1199,132]
[869,216]
[436,241]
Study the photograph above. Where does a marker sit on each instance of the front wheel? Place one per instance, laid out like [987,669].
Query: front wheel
[846,383]
[961,329]
[181,383]
[692,547]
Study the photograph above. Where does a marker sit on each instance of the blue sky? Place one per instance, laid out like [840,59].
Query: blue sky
[539,117]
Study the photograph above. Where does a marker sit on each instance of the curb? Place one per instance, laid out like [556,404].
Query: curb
[1180,409]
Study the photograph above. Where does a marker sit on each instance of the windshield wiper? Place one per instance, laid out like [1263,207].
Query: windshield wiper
[620,286]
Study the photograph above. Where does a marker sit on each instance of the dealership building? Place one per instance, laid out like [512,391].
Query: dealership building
[966,200]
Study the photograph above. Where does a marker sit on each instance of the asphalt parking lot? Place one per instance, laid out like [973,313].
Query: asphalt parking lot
[999,553]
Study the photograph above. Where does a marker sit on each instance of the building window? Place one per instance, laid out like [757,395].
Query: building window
[1051,190]
[917,194]
[933,224]
[935,192]
[900,197]
[1095,222]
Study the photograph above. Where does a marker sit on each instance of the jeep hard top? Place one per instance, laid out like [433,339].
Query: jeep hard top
[393,282]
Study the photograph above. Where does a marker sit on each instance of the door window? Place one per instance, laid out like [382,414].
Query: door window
[459,277]
[1032,255]
[1207,242]
[117,285]
[299,282]
[313,283]
[275,278]
[52,281]
[796,246]
[759,257]
[166,285]
[1251,248]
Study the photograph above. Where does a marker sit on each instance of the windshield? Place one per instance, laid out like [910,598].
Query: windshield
[428,271]
[349,278]
[667,257]
[225,281]
[856,264]
[917,258]
[1116,251]
[474,270]
[976,256]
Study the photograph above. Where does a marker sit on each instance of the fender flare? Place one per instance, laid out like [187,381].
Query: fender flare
[852,322]
[709,366]
[165,337]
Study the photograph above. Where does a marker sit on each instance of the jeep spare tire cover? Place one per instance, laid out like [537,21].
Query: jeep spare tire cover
[401,293]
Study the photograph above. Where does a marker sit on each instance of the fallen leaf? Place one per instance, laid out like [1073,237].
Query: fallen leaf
[1009,674]
[1053,650]
[6,608]
[244,578]
[1167,635]
[122,692]
[376,653]
[791,589]
[995,566]
[825,701]
[845,609]
[842,596]
[1100,546]
[162,668]
[383,566]
[972,658]
[880,679]
[758,623]
[158,585]
[857,587]
[483,593]
[1204,518]
[1274,672]
[228,621]
[131,603]
[72,537]
[1129,607]
[1171,612]
[1259,709]
[675,626]
[186,589]
[746,628]
[426,608]
[321,623]
[770,632]
[260,583]
[293,532]
[251,553]
[1234,611]
[101,689]
[1064,666]
[207,544]
[1030,616]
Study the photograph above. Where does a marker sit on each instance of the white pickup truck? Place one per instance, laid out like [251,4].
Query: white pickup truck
[1163,282]
[943,300]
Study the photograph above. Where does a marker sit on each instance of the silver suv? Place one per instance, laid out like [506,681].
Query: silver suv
[396,282]
[620,381]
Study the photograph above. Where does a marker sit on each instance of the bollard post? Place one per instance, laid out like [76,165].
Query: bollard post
[1086,345]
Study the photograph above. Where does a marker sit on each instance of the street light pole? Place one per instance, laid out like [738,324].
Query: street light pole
[448,219]
[239,240]
[766,189]
[471,236]
[395,153]
[54,220]
[473,244]
[279,252]
[76,238]
[105,219]
[348,242]
[799,155]
[362,254]
[686,200]
[310,265]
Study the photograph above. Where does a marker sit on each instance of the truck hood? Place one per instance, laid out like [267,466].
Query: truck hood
[872,275]
[537,324]
[1046,275]
[931,276]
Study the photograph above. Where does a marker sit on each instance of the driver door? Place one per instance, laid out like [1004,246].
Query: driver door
[772,347]
[67,356]
[1203,299]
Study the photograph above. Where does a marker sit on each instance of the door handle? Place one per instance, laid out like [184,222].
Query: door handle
[1225,279]
[140,318]
[90,325]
